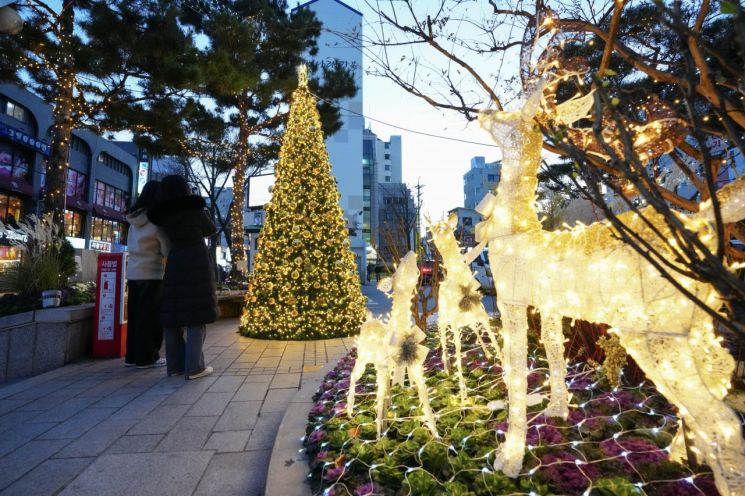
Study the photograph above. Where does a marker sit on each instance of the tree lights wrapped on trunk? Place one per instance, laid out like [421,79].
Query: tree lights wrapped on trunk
[305,283]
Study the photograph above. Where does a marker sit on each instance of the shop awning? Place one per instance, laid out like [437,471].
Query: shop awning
[77,204]
[109,213]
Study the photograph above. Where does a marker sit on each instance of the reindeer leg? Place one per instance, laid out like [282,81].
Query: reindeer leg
[357,371]
[672,364]
[443,327]
[478,330]
[486,324]
[552,336]
[417,377]
[459,365]
[510,455]
[383,379]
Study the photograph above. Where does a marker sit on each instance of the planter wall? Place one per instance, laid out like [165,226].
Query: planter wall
[42,340]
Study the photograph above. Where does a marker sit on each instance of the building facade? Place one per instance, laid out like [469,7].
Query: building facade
[101,179]
[396,220]
[465,231]
[345,146]
[381,165]
[481,178]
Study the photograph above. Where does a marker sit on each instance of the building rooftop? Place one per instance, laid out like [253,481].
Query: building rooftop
[337,1]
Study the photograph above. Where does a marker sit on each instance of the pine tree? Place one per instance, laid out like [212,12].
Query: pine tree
[305,283]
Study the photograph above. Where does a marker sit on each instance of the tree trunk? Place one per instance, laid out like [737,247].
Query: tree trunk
[56,168]
[237,231]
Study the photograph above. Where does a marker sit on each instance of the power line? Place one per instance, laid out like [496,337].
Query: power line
[408,130]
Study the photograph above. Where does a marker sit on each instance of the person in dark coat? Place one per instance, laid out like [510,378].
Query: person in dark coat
[189,298]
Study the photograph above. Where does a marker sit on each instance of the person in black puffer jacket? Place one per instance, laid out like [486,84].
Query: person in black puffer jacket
[189,290]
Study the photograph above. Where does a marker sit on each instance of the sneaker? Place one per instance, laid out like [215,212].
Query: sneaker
[160,362]
[127,364]
[207,371]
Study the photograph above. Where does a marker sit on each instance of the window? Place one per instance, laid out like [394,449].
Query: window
[387,167]
[11,208]
[115,164]
[467,221]
[16,111]
[492,178]
[107,230]
[15,162]
[387,179]
[111,197]
[387,156]
[76,184]
[74,221]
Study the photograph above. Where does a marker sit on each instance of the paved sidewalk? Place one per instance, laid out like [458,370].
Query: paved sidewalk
[96,428]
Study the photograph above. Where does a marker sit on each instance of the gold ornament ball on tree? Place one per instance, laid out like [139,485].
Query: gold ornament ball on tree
[285,299]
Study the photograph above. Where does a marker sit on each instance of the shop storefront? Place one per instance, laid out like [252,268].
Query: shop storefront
[9,251]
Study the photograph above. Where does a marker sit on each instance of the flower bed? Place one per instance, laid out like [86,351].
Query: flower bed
[614,441]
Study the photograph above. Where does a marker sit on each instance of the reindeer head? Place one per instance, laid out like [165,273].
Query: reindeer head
[405,279]
[443,231]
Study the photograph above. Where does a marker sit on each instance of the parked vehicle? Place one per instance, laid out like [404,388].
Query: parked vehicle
[427,270]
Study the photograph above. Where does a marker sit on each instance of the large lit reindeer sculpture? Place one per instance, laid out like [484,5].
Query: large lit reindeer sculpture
[459,300]
[588,273]
[393,347]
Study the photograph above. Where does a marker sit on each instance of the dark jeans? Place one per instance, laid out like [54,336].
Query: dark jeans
[185,356]
[144,332]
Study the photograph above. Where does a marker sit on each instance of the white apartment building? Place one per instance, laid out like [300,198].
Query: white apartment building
[345,146]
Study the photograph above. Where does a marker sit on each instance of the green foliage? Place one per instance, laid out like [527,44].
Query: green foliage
[32,275]
[616,486]
[421,482]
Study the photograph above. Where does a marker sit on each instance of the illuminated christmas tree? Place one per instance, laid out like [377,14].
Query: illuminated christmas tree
[304,284]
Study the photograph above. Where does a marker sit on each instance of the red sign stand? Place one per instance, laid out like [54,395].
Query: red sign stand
[110,316]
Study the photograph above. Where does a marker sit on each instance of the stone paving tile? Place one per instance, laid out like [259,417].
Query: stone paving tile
[64,410]
[141,474]
[277,400]
[239,415]
[140,406]
[229,441]
[161,420]
[95,441]
[285,381]
[78,424]
[226,385]
[10,405]
[210,404]
[47,402]
[190,392]
[14,465]
[251,391]
[227,474]
[48,478]
[264,432]
[119,398]
[20,435]
[189,434]
[143,443]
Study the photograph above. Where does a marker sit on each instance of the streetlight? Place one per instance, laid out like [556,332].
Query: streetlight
[10,21]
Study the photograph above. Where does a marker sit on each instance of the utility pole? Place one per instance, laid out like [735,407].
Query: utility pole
[419,186]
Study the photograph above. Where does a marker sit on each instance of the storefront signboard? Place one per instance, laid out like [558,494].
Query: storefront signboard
[100,245]
[24,139]
[142,176]
[13,236]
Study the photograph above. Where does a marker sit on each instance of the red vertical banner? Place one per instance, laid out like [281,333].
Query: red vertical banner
[110,317]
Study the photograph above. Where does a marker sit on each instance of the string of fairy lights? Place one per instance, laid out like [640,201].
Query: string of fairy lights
[599,406]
